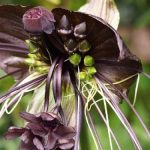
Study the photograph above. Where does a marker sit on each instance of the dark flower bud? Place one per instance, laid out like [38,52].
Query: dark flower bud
[37,20]
[71,45]
[84,46]
[64,26]
[80,30]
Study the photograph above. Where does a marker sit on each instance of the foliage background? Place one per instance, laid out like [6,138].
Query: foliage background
[135,16]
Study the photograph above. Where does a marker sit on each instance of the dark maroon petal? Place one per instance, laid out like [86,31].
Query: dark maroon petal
[48,116]
[27,146]
[64,132]
[14,132]
[38,144]
[12,35]
[29,117]
[50,141]
[37,129]
[14,64]
[11,30]
[117,71]
[47,26]
[66,144]
[27,137]
[37,20]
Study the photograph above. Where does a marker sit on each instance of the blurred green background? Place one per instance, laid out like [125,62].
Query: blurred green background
[135,29]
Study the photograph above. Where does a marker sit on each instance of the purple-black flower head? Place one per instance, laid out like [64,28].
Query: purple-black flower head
[84,59]
[44,131]
[38,19]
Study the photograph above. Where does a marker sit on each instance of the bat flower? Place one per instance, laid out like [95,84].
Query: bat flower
[72,61]
[43,131]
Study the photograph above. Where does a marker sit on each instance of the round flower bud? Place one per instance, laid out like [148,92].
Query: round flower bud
[84,46]
[75,59]
[70,45]
[88,60]
[82,76]
[89,77]
[91,70]
[37,20]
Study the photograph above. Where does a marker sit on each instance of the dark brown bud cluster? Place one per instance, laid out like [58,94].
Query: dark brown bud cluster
[43,131]
[72,36]
[75,42]
[37,20]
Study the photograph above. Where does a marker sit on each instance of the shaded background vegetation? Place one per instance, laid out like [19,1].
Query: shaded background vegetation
[135,29]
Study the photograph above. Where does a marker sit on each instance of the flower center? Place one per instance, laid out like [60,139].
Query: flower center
[77,49]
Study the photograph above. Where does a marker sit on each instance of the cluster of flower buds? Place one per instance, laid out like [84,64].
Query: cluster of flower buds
[77,46]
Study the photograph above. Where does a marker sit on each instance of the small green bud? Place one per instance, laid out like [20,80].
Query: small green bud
[84,46]
[91,70]
[42,69]
[30,61]
[33,62]
[31,46]
[75,59]
[82,75]
[88,60]
[89,77]
[33,56]
[39,63]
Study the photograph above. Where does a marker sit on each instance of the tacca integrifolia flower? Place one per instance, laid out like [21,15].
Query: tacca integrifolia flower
[76,57]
